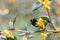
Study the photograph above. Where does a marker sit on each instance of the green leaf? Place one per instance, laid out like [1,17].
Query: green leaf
[25,27]
[14,21]
[51,26]
[2,37]
[45,18]
[8,38]
[35,6]
[10,24]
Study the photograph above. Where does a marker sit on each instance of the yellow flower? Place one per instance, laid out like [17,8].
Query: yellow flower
[39,1]
[58,2]
[46,4]
[8,34]
[0,11]
[5,11]
[12,2]
[40,23]
[44,35]
[24,38]
[58,34]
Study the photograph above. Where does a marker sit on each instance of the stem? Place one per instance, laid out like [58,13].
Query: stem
[50,19]
[55,31]
[49,16]
[51,26]
[27,35]
[27,32]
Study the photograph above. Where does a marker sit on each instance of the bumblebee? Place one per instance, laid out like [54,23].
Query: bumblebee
[37,22]
[41,22]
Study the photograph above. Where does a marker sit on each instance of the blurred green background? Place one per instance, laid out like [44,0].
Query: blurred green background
[22,9]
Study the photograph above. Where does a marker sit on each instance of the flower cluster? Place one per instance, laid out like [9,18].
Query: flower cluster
[44,35]
[8,34]
[40,23]
[45,3]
